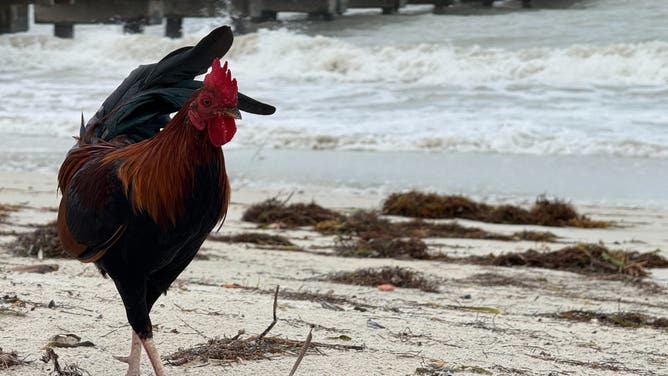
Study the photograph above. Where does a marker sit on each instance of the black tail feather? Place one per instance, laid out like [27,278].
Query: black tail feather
[141,105]
[126,107]
[253,106]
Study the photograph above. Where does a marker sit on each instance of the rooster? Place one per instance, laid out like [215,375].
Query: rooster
[141,191]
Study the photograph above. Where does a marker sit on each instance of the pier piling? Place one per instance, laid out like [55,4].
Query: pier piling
[439,5]
[388,6]
[13,18]
[133,14]
[263,10]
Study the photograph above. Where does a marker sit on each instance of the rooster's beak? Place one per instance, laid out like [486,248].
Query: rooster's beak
[232,112]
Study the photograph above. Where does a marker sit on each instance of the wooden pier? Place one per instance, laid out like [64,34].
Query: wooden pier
[135,14]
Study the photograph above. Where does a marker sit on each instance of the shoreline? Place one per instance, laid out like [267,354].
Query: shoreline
[598,181]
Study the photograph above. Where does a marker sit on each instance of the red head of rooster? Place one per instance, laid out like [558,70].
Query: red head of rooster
[215,106]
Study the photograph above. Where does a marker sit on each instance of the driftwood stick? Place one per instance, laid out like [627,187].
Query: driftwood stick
[275,320]
[302,353]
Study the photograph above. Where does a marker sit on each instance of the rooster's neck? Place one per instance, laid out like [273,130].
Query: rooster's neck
[158,174]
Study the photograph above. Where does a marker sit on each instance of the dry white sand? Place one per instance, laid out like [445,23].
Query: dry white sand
[420,328]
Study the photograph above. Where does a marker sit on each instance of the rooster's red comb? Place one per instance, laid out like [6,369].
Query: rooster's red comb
[221,80]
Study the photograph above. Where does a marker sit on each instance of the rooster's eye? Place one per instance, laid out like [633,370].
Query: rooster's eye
[206,101]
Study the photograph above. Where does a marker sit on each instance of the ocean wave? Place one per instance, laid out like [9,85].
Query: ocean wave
[335,94]
[293,56]
[511,140]
[289,55]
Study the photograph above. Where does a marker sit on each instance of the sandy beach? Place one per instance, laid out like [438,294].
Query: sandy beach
[483,319]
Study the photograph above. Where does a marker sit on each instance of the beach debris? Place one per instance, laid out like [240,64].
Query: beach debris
[342,337]
[479,309]
[303,351]
[232,286]
[439,367]
[13,306]
[294,215]
[330,306]
[365,224]
[11,312]
[42,242]
[472,369]
[373,324]
[535,236]
[424,371]
[12,299]
[37,268]
[584,258]
[10,359]
[607,365]
[68,340]
[369,225]
[315,297]
[236,349]
[68,370]
[365,234]
[395,276]
[543,212]
[5,209]
[622,319]
[495,279]
[412,248]
[260,239]
[386,287]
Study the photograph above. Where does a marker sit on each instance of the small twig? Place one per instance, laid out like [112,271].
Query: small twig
[112,331]
[236,337]
[302,353]
[339,347]
[289,197]
[196,331]
[75,313]
[266,331]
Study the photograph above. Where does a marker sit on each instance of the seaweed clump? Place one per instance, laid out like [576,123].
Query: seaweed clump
[44,238]
[9,359]
[397,276]
[254,238]
[295,215]
[382,247]
[366,234]
[622,319]
[581,258]
[238,349]
[543,212]
[5,209]
[369,225]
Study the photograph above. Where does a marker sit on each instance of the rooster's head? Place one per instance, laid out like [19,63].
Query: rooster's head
[215,105]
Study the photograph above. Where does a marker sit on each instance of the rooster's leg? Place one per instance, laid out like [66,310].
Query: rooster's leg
[153,356]
[133,360]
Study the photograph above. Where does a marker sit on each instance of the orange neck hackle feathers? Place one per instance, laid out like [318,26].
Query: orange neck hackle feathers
[158,174]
